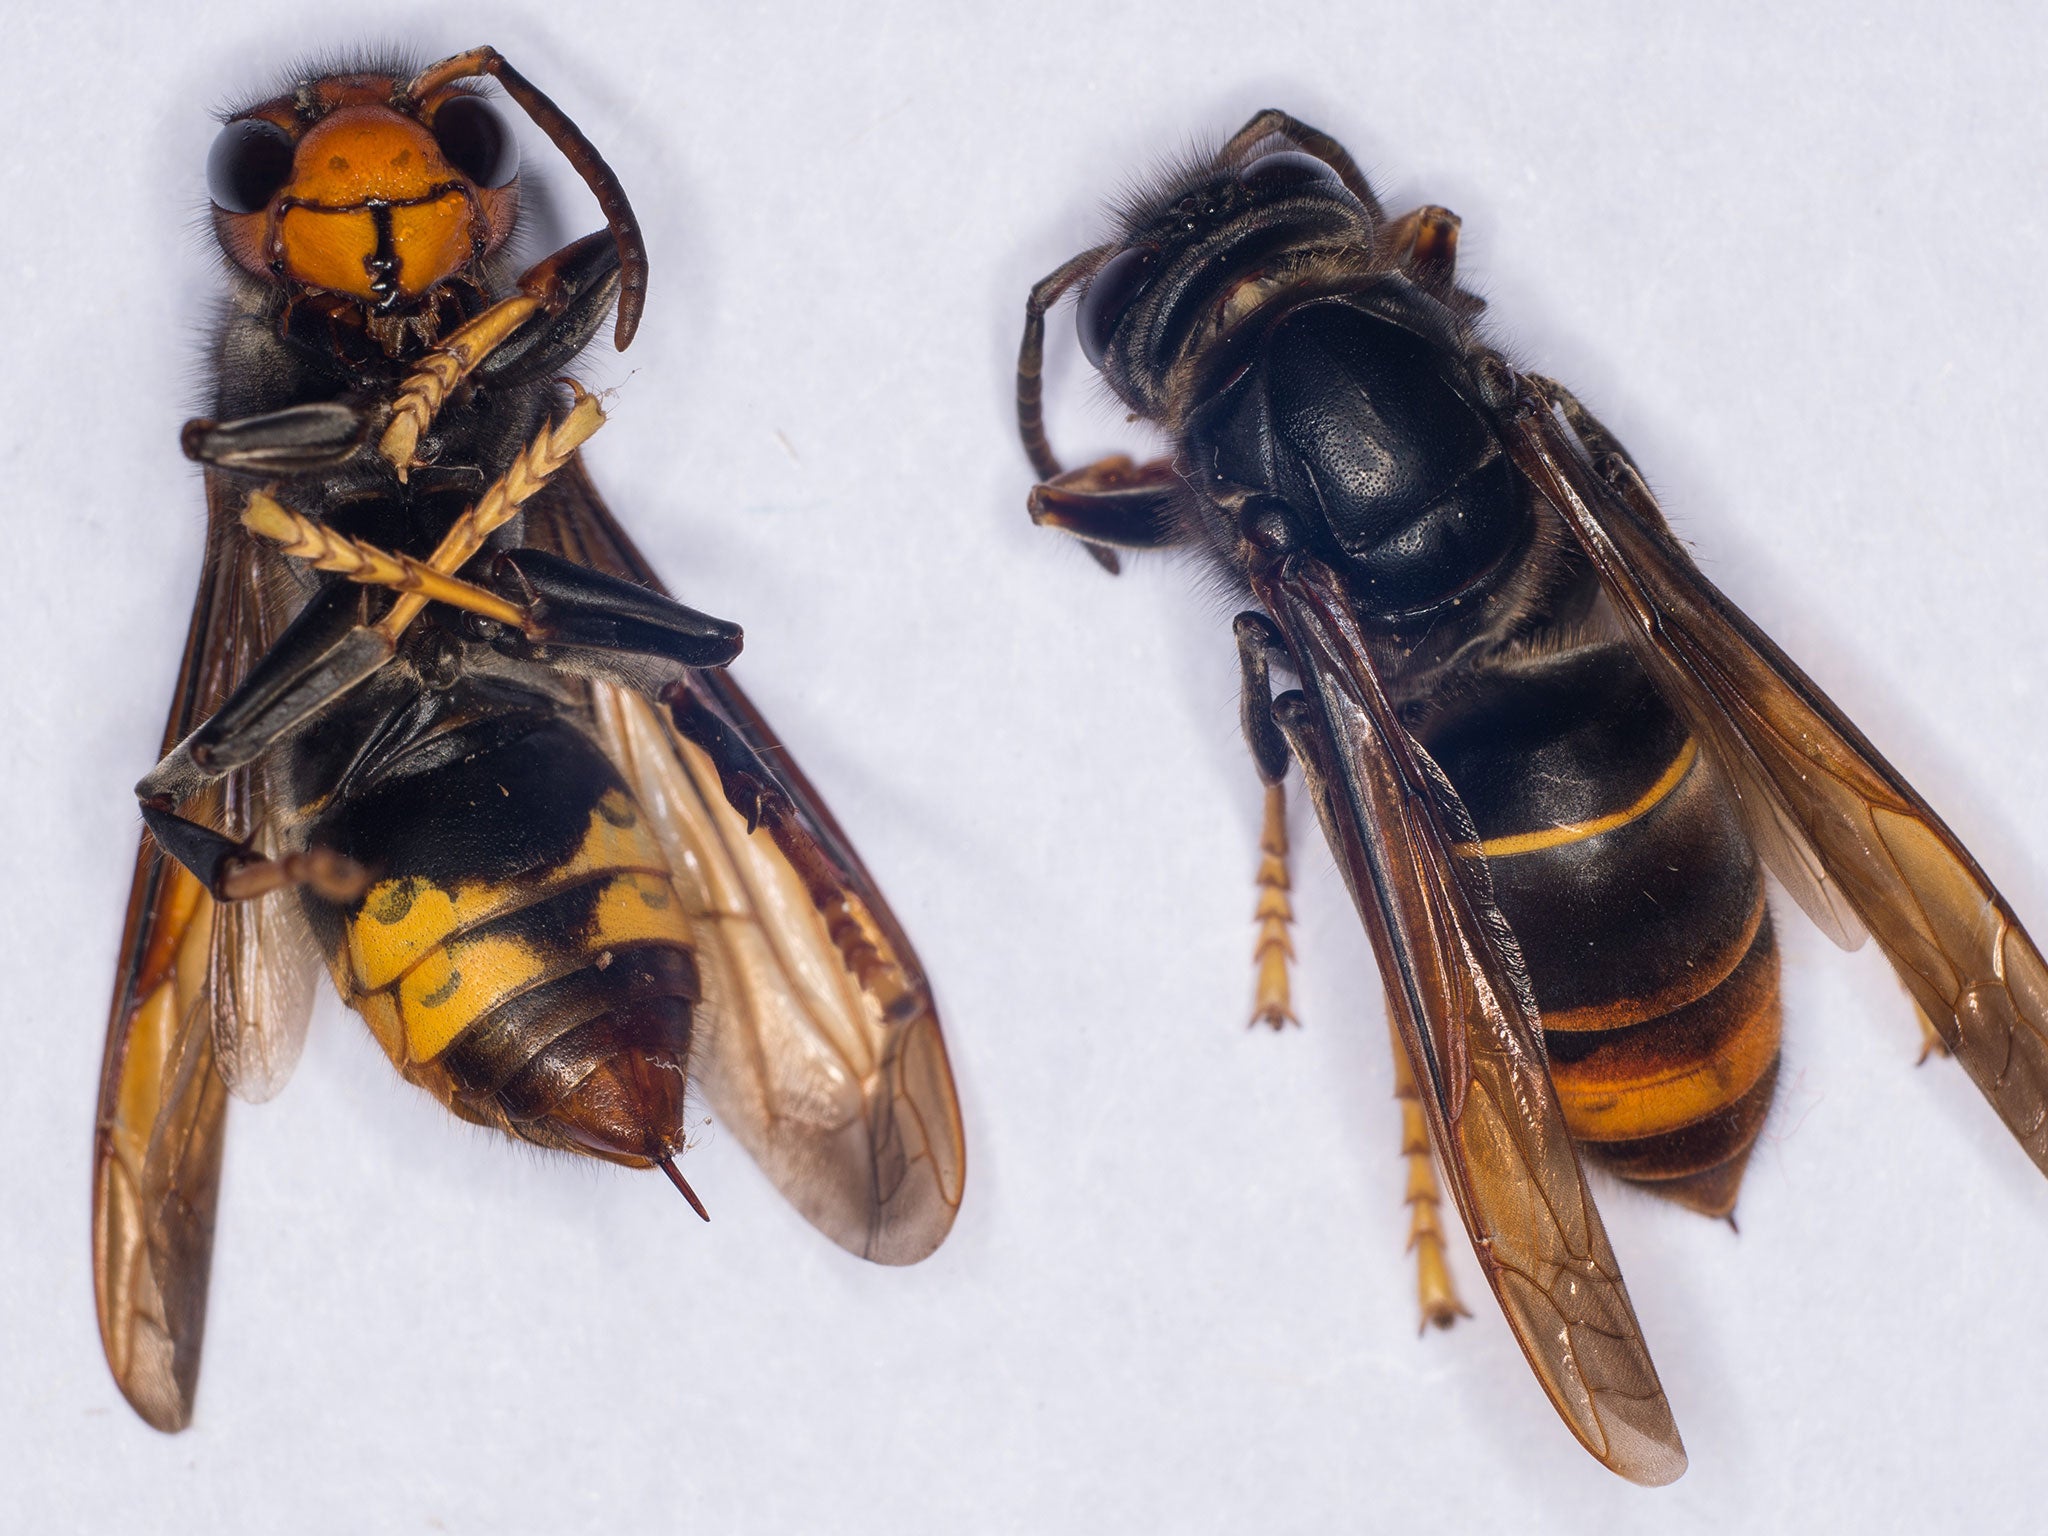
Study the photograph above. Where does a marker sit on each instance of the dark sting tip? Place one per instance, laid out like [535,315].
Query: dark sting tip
[675,1176]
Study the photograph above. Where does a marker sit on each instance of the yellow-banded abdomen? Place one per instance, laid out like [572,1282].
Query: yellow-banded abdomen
[522,953]
[1618,858]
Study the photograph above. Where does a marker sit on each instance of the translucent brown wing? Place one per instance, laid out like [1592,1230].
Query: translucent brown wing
[1462,1007]
[821,1049]
[200,988]
[1835,814]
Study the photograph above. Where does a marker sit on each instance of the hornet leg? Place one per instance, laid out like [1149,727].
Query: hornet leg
[1257,640]
[1433,1288]
[1272,1005]
[1437,1296]
[537,332]
[321,657]
[1424,244]
[561,302]
[1931,1043]
[1112,502]
[233,871]
[585,622]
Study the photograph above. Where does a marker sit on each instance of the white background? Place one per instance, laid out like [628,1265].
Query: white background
[1794,257]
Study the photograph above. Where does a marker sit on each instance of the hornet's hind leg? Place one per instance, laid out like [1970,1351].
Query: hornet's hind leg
[1434,1291]
[1257,642]
[1274,914]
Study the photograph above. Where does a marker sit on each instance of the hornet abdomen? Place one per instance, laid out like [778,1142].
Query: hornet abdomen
[1618,858]
[523,953]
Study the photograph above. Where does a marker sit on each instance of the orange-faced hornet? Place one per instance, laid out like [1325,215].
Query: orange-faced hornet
[439,725]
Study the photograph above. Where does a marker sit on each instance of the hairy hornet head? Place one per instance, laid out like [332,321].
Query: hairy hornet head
[355,185]
[379,186]
[1201,253]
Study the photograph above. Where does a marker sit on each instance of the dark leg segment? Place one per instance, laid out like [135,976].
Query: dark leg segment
[1113,501]
[1031,359]
[299,440]
[572,606]
[749,787]
[1031,380]
[574,288]
[232,871]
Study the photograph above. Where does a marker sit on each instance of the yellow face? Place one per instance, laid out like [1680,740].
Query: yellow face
[367,201]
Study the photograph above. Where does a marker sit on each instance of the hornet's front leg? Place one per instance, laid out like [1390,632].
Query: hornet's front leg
[1106,504]
[298,440]
[534,334]
[1113,503]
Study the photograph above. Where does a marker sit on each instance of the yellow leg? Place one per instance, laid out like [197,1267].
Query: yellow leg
[1433,1288]
[427,388]
[1931,1043]
[551,448]
[1274,914]
[419,582]
[325,550]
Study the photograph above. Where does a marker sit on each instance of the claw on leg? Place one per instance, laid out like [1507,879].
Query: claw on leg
[333,875]
[1434,1291]
[1274,914]
[1931,1043]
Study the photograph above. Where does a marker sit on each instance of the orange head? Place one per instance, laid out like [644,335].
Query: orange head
[354,186]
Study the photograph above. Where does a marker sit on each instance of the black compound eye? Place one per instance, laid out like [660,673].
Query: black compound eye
[1288,170]
[476,141]
[249,164]
[1108,295]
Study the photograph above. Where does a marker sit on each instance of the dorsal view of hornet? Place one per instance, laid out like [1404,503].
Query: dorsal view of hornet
[1551,759]
[439,725]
